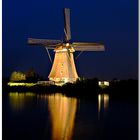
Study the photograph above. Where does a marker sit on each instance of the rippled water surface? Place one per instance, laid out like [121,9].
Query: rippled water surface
[30,116]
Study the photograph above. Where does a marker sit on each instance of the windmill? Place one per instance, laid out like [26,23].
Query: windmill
[63,69]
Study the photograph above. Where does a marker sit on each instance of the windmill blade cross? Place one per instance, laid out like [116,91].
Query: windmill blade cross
[82,46]
[67,24]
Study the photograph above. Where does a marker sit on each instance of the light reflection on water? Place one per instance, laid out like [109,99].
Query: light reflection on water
[103,103]
[62,110]
[18,101]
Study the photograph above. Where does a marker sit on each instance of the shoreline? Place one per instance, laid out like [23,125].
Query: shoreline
[125,89]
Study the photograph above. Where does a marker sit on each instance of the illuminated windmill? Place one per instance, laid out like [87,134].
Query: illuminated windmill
[63,68]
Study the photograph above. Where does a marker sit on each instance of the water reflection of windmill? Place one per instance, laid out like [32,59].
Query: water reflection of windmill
[62,113]
[63,69]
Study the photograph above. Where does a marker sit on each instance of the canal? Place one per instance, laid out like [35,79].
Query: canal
[31,116]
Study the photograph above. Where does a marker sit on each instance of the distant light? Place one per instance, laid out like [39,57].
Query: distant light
[99,83]
[103,83]
[106,83]
[67,44]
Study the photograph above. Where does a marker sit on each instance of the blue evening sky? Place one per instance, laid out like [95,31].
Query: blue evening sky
[113,23]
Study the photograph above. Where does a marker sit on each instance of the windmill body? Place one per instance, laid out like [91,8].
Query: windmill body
[63,68]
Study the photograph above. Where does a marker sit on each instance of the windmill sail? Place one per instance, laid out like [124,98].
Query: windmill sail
[83,46]
[50,44]
[67,24]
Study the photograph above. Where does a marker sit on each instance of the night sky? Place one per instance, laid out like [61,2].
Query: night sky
[113,23]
